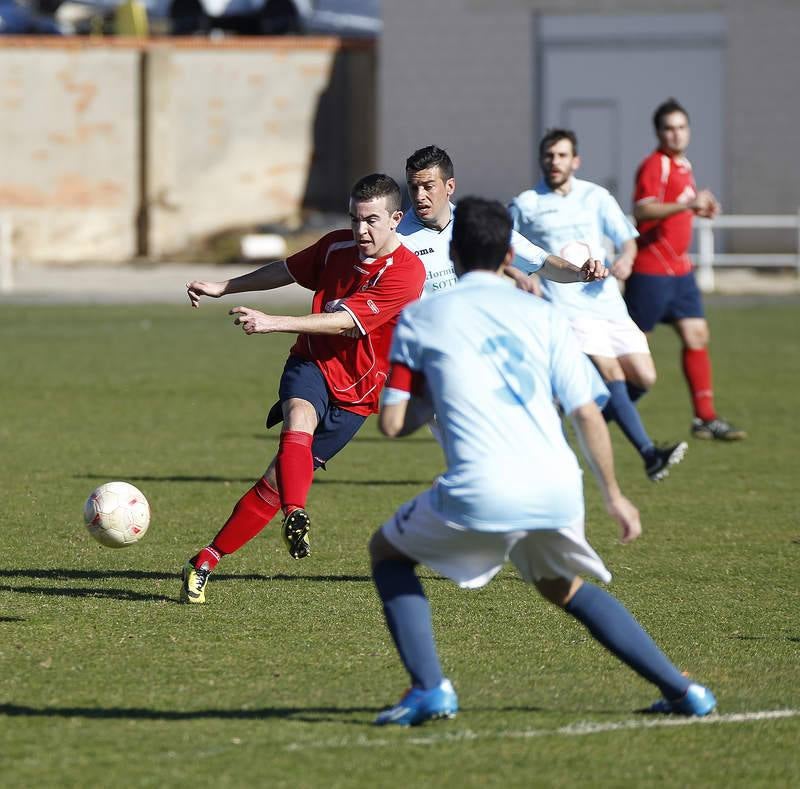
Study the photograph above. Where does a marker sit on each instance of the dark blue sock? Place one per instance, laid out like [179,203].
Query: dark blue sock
[408,616]
[621,410]
[635,392]
[616,629]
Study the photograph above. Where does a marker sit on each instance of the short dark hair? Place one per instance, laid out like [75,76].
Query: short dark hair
[667,108]
[552,136]
[431,156]
[481,233]
[377,185]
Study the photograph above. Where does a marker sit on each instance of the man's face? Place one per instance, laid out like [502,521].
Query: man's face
[430,196]
[373,226]
[558,163]
[673,134]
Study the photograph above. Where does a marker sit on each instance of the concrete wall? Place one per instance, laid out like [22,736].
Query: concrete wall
[462,74]
[119,149]
[69,156]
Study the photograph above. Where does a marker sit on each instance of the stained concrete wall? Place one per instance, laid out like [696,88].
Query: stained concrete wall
[69,154]
[119,149]
[242,136]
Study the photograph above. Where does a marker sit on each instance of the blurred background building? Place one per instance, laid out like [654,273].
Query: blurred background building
[141,146]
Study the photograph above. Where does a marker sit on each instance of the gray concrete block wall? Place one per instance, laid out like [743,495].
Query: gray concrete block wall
[764,111]
[460,79]
[462,73]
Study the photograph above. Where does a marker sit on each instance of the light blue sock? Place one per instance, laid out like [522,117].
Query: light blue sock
[621,410]
[616,629]
[408,617]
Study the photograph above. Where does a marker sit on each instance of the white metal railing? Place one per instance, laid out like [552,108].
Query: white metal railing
[707,258]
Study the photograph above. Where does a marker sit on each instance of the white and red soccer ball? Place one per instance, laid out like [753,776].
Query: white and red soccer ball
[117,514]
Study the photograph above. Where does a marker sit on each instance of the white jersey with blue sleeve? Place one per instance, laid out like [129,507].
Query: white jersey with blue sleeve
[432,247]
[574,226]
[493,359]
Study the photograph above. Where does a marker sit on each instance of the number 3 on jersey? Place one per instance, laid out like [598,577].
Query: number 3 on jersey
[509,357]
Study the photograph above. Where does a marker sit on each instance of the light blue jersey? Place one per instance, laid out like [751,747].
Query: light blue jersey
[494,358]
[432,247]
[574,226]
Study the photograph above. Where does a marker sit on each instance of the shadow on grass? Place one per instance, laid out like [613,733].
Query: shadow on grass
[11,619]
[304,714]
[93,591]
[318,480]
[308,714]
[56,573]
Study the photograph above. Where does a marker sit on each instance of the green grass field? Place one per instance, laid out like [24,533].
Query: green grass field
[106,681]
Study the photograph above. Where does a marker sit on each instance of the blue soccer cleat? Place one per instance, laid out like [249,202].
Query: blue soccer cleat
[697,701]
[418,706]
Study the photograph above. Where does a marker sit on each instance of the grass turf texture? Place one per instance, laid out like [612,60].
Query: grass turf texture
[105,679]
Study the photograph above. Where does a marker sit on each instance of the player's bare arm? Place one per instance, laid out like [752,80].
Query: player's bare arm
[592,432]
[403,418]
[272,275]
[529,283]
[558,269]
[256,322]
[623,265]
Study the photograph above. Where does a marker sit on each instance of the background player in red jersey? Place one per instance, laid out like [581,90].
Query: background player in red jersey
[361,278]
[662,288]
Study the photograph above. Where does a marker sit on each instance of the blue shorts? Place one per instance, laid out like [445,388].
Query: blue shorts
[303,379]
[652,299]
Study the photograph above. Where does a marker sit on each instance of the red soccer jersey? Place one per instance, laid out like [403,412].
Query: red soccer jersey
[664,243]
[373,291]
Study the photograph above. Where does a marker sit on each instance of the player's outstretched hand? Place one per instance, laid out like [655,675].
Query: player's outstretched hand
[253,321]
[198,288]
[593,270]
[627,516]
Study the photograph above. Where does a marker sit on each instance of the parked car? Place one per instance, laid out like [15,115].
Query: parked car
[19,20]
[247,17]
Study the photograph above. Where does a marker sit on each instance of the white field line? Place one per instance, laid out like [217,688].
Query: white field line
[579,729]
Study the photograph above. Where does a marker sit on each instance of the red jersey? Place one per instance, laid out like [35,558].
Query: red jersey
[373,292]
[664,243]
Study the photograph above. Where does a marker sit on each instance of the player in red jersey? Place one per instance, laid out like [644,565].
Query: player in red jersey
[361,278]
[662,287]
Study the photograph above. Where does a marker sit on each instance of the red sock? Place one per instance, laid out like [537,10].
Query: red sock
[697,369]
[250,515]
[294,469]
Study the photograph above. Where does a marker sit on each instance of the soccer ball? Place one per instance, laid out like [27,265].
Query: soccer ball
[117,514]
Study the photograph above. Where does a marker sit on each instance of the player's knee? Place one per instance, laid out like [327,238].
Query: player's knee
[646,379]
[299,415]
[558,591]
[379,548]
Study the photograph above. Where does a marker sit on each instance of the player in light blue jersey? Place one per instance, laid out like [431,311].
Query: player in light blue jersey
[574,217]
[427,228]
[488,359]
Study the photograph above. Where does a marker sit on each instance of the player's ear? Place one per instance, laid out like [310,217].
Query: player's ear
[450,186]
[395,219]
[576,163]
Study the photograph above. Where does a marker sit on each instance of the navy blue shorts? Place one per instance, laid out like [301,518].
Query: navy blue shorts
[336,426]
[652,299]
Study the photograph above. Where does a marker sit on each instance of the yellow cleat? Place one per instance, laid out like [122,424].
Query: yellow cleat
[193,588]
